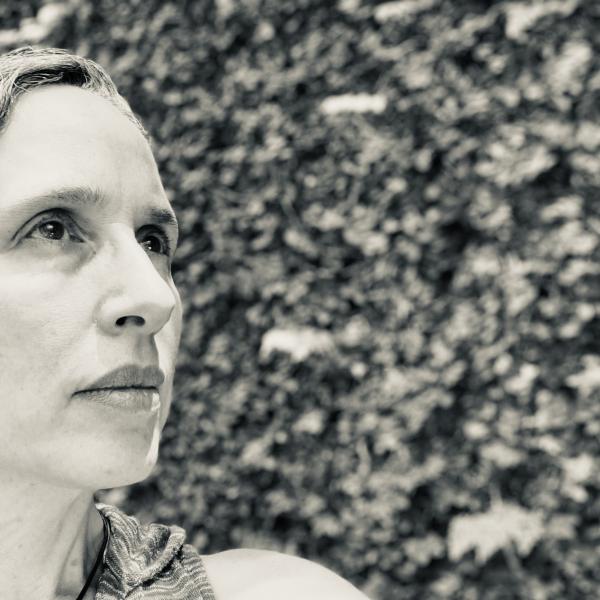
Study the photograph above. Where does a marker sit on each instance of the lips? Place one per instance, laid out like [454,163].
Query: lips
[128,376]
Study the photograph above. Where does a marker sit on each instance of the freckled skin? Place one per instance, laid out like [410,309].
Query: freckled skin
[60,302]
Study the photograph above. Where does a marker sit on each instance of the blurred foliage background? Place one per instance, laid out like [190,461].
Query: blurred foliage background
[390,272]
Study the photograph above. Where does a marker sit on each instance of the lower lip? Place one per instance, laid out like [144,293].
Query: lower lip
[129,399]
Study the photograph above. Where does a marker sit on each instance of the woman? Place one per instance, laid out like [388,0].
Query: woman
[91,322]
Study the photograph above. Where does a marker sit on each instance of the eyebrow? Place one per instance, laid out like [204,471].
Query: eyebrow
[88,196]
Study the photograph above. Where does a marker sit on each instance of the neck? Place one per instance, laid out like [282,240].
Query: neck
[50,539]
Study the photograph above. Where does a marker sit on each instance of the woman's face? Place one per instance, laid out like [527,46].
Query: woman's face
[85,288]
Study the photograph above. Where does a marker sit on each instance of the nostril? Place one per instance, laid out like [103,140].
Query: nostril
[137,320]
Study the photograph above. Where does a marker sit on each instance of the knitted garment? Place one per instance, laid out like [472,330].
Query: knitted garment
[149,562]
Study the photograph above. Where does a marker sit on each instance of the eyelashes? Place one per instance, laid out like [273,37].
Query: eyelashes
[55,224]
[54,233]
[159,234]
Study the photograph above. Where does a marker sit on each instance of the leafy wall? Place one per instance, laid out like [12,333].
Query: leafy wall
[390,278]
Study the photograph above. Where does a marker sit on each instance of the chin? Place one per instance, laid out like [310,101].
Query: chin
[109,461]
[130,461]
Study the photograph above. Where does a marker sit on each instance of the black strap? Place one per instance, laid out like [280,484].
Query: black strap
[99,558]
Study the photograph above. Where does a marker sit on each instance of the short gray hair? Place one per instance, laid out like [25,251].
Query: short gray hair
[27,67]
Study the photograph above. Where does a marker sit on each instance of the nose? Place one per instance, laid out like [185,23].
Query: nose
[138,297]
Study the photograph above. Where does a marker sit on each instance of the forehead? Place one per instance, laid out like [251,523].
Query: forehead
[61,135]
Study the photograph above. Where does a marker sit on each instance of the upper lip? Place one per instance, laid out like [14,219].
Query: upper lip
[128,376]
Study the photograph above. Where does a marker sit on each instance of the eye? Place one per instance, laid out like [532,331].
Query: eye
[157,241]
[58,226]
[54,227]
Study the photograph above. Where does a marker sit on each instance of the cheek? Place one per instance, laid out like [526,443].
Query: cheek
[38,329]
[178,318]
[168,360]
[36,350]
[168,345]
[170,336]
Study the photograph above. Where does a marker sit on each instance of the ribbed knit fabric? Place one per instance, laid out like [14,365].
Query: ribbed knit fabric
[149,562]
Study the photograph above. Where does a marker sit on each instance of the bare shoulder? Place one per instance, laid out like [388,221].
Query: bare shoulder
[264,575]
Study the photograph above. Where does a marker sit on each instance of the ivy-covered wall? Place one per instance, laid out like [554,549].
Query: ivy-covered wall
[390,361]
